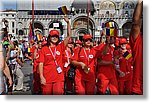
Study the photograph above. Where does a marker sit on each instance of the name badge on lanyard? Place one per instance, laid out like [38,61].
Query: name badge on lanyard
[58,68]
[87,57]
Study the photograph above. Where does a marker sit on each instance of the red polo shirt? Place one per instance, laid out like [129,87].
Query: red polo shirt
[82,57]
[125,66]
[49,67]
[106,70]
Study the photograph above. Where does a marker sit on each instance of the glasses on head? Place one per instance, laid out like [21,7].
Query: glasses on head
[86,40]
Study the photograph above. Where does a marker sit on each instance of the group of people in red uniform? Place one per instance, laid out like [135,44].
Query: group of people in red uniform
[112,67]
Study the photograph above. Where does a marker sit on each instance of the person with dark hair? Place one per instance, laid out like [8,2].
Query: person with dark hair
[36,76]
[84,60]
[78,44]
[69,70]
[50,62]
[136,43]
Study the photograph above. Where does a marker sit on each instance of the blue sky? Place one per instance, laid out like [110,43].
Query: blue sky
[7,4]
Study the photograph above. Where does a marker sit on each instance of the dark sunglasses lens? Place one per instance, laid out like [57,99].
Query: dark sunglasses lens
[55,36]
[88,40]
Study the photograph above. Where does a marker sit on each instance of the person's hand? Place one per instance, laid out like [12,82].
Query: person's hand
[122,74]
[10,82]
[43,81]
[66,19]
[85,68]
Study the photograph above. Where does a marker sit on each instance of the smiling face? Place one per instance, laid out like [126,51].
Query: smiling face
[70,45]
[88,42]
[123,46]
[54,39]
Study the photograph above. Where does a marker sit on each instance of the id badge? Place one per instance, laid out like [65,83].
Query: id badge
[59,70]
[66,65]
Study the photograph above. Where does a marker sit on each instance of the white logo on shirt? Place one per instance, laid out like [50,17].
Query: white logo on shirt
[57,52]
[90,56]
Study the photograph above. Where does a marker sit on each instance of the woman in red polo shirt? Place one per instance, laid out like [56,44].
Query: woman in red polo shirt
[51,65]
[69,79]
[84,60]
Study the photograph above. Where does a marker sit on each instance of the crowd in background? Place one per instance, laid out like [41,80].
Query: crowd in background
[112,66]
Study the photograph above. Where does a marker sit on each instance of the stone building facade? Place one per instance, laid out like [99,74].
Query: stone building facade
[47,16]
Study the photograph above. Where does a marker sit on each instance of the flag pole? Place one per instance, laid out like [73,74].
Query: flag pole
[33,17]
[88,6]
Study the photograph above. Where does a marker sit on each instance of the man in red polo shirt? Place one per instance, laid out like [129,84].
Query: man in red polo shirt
[136,42]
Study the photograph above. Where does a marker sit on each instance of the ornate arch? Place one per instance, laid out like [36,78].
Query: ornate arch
[127,5]
[107,5]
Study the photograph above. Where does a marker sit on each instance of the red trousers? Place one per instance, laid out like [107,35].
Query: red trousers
[84,87]
[125,87]
[54,88]
[104,82]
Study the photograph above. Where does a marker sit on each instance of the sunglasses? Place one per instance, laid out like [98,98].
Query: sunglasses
[56,36]
[70,43]
[86,40]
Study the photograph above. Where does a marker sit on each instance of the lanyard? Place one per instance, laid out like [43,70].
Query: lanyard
[68,57]
[87,56]
[54,55]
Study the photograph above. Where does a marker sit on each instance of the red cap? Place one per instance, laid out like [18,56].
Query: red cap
[87,36]
[123,41]
[70,41]
[53,32]
[78,42]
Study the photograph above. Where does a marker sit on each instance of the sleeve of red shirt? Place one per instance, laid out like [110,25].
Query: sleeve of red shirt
[132,42]
[99,50]
[32,51]
[41,55]
[75,55]
[63,47]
